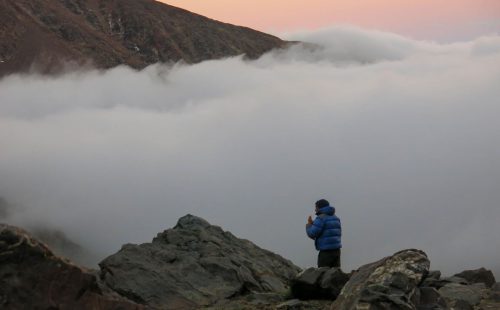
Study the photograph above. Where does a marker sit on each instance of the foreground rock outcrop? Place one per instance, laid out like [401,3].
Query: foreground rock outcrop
[480,275]
[390,283]
[403,281]
[318,283]
[470,289]
[194,264]
[32,277]
[197,265]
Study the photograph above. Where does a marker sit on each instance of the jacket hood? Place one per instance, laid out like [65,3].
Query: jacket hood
[328,210]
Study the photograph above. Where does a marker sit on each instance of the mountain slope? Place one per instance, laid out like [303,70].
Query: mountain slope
[108,33]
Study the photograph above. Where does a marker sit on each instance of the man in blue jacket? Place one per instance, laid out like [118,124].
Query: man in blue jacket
[326,232]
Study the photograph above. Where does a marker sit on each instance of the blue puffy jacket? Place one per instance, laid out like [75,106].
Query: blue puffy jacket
[325,230]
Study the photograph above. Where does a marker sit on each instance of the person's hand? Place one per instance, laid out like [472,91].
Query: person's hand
[309,220]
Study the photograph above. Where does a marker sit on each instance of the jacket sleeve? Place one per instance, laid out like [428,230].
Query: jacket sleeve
[314,230]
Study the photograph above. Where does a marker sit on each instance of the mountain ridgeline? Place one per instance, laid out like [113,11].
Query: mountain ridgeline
[197,265]
[46,35]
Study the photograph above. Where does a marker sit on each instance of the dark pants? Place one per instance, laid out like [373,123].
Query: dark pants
[329,258]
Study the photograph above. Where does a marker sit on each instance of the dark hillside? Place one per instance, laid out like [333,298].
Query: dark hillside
[107,33]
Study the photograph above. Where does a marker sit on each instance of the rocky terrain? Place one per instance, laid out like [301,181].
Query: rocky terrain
[194,264]
[197,265]
[47,35]
[32,277]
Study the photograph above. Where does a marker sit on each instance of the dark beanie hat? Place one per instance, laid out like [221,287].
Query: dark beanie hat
[322,203]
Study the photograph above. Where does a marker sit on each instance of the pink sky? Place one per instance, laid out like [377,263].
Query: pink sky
[445,20]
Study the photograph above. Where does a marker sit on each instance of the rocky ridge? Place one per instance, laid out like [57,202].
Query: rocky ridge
[47,35]
[194,264]
[32,277]
[197,265]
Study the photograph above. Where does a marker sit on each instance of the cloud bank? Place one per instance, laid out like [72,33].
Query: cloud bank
[401,135]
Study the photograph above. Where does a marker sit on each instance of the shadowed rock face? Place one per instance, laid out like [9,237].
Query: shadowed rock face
[194,264]
[465,294]
[390,283]
[32,277]
[108,33]
[480,275]
[318,283]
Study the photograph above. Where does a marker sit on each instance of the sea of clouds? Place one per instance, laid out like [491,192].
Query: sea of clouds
[402,136]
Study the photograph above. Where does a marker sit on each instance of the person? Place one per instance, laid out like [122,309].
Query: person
[326,231]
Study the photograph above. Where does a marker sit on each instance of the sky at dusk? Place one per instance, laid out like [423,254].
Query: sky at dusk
[438,20]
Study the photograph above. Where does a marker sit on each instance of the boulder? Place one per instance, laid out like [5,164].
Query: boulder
[492,299]
[432,279]
[434,274]
[430,299]
[488,305]
[332,282]
[453,292]
[495,296]
[318,283]
[438,283]
[390,283]
[480,275]
[459,305]
[32,277]
[495,292]
[192,265]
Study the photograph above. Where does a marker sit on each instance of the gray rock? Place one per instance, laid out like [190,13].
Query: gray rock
[496,287]
[263,298]
[491,298]
[480,275]
[453,292]
[33,277]
[456,280]
[495,296]
[332,282]
[439,283]
[389,283]
[434,274]
[311,276]
[318,283]
[192,265]
[433,279]
[488,305]
[430,298]
[305,284]
[480,286]
[291,304]
[460,305]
